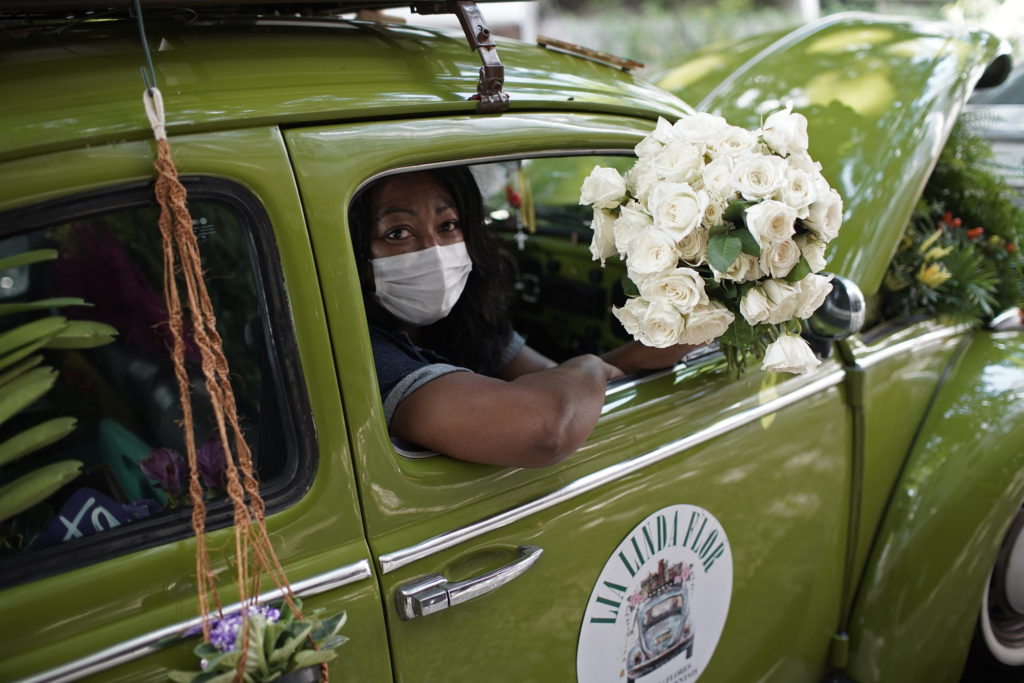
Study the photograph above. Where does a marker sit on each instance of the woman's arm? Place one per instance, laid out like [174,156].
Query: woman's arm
[635,356]
[537,419]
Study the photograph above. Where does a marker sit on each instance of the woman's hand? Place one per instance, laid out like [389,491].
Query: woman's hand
[535,420]
[635,356]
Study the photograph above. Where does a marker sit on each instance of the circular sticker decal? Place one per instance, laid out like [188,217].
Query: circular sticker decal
[658,608]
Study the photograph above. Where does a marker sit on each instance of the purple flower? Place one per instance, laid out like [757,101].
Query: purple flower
[212,465]
[224,632]
[168,469]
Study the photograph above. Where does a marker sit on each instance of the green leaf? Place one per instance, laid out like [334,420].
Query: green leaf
[311,657]
[41,305]
[750,245]
[330,626]
[629,288]
[723,250]
[297,632]
[183,676]
[736,212]
[205,650]
[801,270]
[25,258]
[739,334]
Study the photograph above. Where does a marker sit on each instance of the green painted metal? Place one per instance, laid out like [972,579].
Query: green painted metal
[789,546]
[961,486]
[84,87]
[81,612]
[880,96]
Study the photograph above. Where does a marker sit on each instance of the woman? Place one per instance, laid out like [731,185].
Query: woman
[454,376]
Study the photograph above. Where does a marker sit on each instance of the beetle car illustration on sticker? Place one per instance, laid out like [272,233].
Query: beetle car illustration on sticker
[663,628]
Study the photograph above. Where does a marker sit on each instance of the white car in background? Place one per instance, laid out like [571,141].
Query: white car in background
[998,115]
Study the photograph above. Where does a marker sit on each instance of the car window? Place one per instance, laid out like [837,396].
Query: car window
[562,297]
[116,482]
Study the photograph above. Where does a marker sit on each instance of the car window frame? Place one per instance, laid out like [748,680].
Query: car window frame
[294,412]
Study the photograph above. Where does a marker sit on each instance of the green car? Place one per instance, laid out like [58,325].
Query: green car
[861,521]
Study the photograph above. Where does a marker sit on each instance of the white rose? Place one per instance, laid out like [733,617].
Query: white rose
[789,353]
[825,216]
[718,178]
[706,323]
[681,287]
[758,176]
[604,188]
[778,258]
[641,180]
[804,162]
[714,212]
[744,268]
[798,190]
[602,244]
[661,326]
[812,291]
[700,128]
[770,222]
[813,251]
[631,222]
[784,298]
[678,162]
[754,306]
[664,132]
[652,251]
[786,132]
[630,315]
[677,208]
[647,148]
[734,141]
[693,248]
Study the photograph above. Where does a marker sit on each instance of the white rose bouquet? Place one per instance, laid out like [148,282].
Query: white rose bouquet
[723,231]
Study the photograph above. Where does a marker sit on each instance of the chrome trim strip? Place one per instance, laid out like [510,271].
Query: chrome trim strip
[389,562]
[156,640]
[942,334]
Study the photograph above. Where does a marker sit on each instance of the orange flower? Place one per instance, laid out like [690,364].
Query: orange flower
[975,233]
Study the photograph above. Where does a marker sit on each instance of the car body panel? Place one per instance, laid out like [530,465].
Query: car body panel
[880,96]
[86,88]
[959,489]
[85,612]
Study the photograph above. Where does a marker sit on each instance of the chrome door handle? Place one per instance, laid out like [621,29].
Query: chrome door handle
[433,593]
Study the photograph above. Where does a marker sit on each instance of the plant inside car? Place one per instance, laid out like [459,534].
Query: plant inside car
[960,255]
[723,231]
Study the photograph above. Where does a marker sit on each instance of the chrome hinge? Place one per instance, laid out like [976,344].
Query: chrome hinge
[489,93]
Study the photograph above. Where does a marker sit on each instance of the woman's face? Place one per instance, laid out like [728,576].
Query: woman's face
[410,212]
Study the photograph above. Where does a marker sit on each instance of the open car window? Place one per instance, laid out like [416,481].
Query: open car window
[114,478]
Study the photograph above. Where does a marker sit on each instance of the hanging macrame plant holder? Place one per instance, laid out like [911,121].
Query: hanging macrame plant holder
[254,553]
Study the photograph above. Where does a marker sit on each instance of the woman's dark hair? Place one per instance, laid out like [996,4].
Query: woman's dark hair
[476,331]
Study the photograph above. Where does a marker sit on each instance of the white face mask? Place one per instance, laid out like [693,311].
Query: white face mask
[421,287]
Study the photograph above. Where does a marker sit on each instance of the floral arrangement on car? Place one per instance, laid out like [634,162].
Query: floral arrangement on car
[275,643]
[723,231]
[960,253]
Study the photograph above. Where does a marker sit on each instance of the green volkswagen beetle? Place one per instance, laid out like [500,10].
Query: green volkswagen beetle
[860,521]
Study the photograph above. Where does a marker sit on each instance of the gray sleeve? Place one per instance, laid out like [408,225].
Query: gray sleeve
[515,344]
[412,382]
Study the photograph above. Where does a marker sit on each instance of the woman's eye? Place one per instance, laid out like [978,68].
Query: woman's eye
[449,226]
[397,233]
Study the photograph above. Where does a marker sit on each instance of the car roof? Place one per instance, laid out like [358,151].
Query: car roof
[68,83]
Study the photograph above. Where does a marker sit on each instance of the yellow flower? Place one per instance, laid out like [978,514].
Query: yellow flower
[926,245]
[932,275]
[936,253]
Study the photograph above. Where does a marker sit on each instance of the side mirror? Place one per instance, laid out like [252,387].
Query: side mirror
[841,315]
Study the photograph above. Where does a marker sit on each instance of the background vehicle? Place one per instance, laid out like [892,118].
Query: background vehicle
[864,503]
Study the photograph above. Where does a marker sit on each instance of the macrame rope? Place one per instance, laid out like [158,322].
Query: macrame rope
[179,244]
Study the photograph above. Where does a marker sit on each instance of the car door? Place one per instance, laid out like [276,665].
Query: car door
[701,530]
[110,600]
